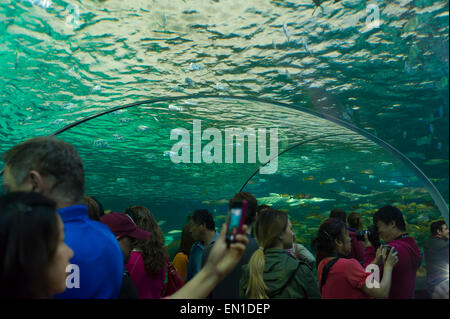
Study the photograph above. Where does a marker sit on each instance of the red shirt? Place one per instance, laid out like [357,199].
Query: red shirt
[404,273]
[344,281]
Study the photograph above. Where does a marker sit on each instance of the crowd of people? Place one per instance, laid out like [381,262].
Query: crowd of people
[57,242]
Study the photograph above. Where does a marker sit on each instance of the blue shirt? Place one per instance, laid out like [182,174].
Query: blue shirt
[195,258]
[96,253]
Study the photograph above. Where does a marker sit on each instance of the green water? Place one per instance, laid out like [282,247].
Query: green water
[61,61]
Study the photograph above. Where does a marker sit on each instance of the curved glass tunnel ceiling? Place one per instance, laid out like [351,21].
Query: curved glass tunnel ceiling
[61,61]
[126,155]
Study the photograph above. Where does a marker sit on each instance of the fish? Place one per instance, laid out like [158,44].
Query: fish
[142,128]
[408,68]
[176,231]
[162,222]
[415,155]
[118,137]
[366,171]
[395,183]
[175,108]
[302,196]
[431,128]
[305,45]
[195,67]
[328,181]
[189,81]
[216,202]
[350,181]
[16,62]
[425,140]
[222,217]
[100,143]
[150,157]
[309,178]
[356,196]
[286,32]
[436,161]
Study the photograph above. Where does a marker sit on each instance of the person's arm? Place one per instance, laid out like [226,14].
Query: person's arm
[382,292]
[221,261]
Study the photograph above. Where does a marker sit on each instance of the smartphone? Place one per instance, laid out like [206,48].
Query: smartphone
[236,220]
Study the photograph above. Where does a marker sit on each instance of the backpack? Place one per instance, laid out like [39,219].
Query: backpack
[174,280]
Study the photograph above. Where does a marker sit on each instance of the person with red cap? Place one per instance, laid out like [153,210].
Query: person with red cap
[125,230]
[221,260]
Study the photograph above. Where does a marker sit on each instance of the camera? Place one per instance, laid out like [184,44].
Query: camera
[372,235]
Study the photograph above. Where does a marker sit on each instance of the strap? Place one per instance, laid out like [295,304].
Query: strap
[326,269]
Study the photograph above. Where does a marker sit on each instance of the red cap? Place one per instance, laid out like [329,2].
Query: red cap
[122,225]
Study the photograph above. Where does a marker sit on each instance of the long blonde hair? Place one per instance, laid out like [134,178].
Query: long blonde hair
[269,226]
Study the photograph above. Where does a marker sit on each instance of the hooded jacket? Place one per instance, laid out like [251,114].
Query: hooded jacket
[285,277]
[404,273]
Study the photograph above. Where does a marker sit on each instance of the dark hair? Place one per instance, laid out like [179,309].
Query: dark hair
[29,237]
[93,208]
[339,214]
[436,226]
[152,249]
[261,208]
[186,241]
[51,157]
[387,214]
[101,211]
[330,230]
[202,216]
[354,220]
[252,205]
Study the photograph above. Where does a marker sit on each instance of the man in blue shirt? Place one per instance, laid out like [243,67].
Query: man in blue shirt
[54,168]
[204,233]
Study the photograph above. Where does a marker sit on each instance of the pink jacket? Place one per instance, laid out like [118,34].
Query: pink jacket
[149,285]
